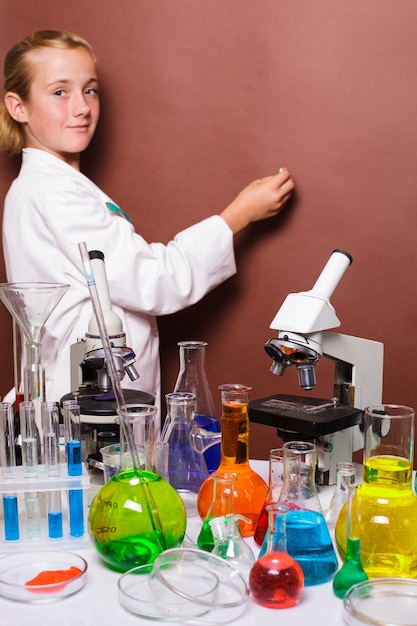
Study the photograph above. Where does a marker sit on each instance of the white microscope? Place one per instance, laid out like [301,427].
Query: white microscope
[303,324]
[90,376]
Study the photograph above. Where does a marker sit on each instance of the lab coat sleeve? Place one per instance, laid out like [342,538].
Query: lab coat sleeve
[154,279]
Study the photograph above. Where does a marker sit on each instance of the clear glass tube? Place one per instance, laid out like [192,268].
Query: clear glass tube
[30,436]
[50,431]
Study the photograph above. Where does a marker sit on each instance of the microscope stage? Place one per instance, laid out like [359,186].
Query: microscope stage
[310,417]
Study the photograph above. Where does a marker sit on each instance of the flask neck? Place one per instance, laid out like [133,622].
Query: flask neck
[276,537]
[192,375]
[299,488]
[235,433]
[223,495]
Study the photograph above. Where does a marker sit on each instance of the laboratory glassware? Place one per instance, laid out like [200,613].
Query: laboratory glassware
[187,468]
[250,488]
[8,464]
[192,377]
[137,514]
[351,571]
[345,477]
[31,304]
[222,504]
[276,579]
[230,545]
[275,482]
[384,507]
[308,537]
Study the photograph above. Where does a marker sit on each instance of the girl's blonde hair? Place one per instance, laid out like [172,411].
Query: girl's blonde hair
[18,78]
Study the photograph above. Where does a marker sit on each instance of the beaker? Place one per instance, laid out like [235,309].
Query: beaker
[275,482]
[137,514]
[384,507]
[276,579]
[250,488]
[308,537]
[187,468]
[192,378]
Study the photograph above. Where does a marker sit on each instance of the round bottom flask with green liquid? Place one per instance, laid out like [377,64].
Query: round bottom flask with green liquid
[384,507]
[133,519]
[137,514]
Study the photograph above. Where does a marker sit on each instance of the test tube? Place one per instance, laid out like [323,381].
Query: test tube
[53,502]
[72,431]
[8,463]
[29,434]
[50,429]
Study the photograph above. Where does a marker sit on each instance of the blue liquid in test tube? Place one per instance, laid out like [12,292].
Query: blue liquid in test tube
[72,428]
[11,518]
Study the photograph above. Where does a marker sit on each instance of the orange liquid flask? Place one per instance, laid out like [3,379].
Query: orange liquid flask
[250,488]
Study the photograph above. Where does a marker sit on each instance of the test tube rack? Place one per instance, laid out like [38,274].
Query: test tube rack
[39,487]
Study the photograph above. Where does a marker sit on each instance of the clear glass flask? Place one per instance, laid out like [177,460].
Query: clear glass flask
[230,545]
[275,482]
[308,537]
[250,488]
[222,505]
[345,478]
[137,514]
[192,378]
[276,579]
[187,468]
[384,507]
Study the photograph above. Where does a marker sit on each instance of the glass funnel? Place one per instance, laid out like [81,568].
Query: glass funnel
[31,304]
[384,507]
[137,514]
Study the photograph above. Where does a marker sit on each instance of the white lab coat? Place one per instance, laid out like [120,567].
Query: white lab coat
[49,209]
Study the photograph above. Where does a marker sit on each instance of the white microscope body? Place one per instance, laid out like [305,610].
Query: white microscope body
[303,324]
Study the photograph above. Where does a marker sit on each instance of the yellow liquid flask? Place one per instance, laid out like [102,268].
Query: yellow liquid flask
[384,507]
[137,514]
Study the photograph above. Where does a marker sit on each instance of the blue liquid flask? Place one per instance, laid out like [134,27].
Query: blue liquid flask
[192,378]
[308,536]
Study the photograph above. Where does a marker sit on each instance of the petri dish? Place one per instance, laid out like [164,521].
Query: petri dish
[41,576]
[137,597]
[185,584]
[381,602]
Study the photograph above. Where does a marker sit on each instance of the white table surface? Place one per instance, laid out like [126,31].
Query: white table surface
[97,604]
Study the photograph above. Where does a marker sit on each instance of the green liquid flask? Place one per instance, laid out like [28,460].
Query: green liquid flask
[137,514]
[222,505]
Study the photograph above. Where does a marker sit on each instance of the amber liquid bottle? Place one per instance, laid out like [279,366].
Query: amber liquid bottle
[250,488]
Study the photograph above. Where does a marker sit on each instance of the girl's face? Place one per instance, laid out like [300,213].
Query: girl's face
[62,112]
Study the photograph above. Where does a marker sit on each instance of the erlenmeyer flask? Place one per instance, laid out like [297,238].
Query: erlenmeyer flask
[137,514]
[230,545]
[276,579]
[187,468]
[384,507]
[308,537]
[276,480]
[222,504]
[250,488]
[192,378]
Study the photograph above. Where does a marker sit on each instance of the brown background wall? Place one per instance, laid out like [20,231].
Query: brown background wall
[198,99]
